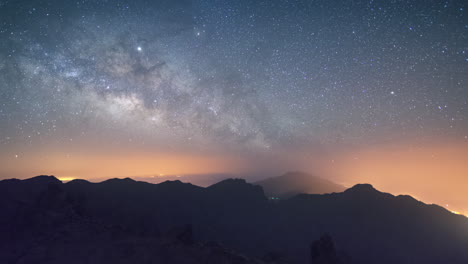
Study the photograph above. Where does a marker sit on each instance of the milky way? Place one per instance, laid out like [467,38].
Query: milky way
[256,77]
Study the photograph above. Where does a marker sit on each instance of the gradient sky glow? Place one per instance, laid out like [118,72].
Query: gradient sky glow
[355,91]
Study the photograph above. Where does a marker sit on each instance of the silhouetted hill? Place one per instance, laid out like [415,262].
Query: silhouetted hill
[293,183]
[126,221]
[237,191]
[203,180]
[377,227]
[39,224]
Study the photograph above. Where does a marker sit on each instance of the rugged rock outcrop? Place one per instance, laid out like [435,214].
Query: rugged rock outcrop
[126,221]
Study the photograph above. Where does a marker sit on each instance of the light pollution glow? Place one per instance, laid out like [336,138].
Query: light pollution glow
[433,173]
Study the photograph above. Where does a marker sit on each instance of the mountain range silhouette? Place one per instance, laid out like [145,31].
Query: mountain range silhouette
[124,221]
[293,183]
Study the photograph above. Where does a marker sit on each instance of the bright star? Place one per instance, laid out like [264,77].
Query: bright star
[139,48]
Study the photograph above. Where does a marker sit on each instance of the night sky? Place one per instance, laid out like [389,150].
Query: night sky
[121,88]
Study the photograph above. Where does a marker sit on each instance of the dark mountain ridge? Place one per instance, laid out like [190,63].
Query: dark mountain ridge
[293,183]
[367,226]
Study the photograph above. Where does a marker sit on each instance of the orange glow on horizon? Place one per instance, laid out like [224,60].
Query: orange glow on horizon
[435,172]
[114,165]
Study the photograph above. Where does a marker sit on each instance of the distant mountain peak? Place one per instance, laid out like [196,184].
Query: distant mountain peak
[172,182]
[230,182]
[362,188]
[119,180]
[297,182]
[128,179]
[78,181]
[44,179]
[237,188]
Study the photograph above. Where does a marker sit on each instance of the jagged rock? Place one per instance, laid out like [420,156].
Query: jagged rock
[323,251]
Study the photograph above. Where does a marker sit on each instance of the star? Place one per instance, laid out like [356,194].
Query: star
[165,74]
